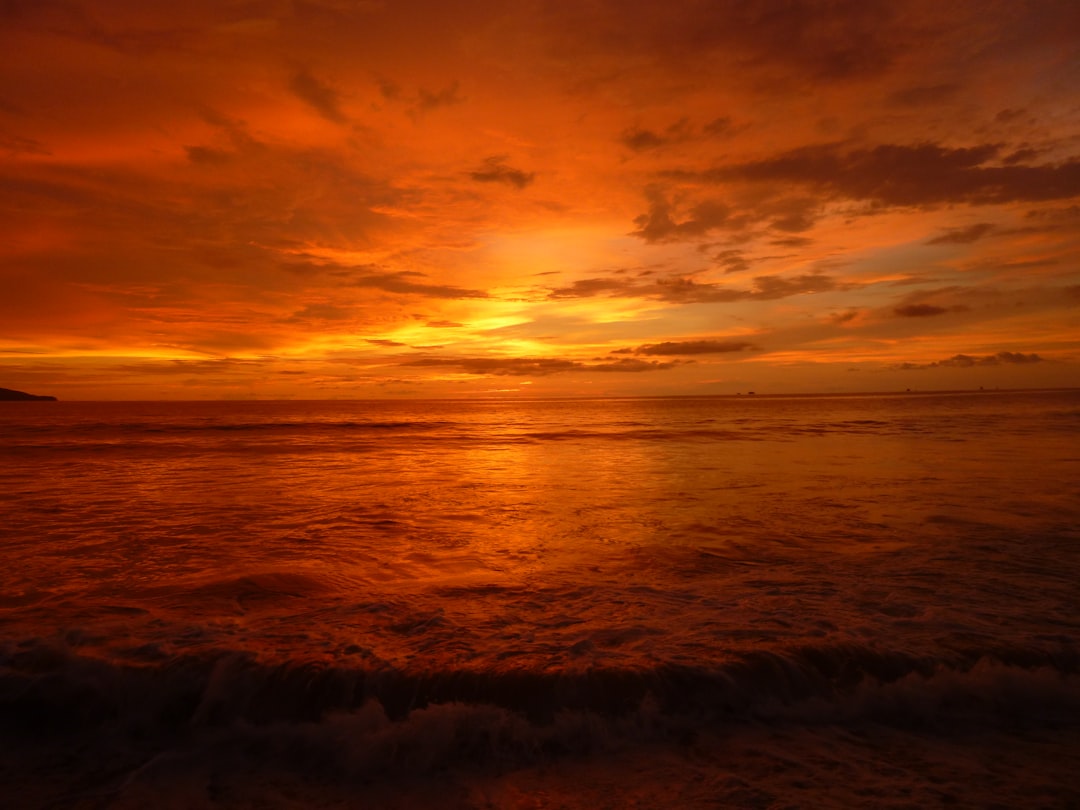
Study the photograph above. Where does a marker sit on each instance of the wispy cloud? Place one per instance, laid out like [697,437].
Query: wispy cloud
[496,170]
[318,94]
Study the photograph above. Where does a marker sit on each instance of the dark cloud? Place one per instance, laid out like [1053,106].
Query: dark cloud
[792,241]
[835,40]
[773,287]
[917,175]
[963,236]
[686,347]
[925,310]
[384,342]
[664,222]
[629,365]
[403,282]
[793,214]
[495,170]
[320,96]
[98,25]
[207,155]
[1009,115]
[919,311]
[844,317]
[589,287]
[642,140]
[719,127]
[682,290]
[389,89]
[535,366]
[967,361]
[733,261]
[428,100]
[659,224]
[1022,155]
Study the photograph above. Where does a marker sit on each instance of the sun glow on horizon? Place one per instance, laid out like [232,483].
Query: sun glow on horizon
[306,197]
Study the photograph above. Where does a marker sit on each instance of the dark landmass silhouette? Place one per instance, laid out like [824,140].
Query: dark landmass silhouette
[8,395]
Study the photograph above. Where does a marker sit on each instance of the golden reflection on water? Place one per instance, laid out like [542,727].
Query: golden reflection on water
[530,528]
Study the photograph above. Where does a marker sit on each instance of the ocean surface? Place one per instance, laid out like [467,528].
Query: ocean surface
[818,601]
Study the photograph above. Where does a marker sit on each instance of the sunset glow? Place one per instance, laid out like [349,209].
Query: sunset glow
[326,199]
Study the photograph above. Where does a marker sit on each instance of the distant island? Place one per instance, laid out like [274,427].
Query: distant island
[7,395]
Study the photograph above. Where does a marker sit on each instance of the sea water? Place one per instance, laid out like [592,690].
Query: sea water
[658,602]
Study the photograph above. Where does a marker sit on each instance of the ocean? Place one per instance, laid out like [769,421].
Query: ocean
[769,602]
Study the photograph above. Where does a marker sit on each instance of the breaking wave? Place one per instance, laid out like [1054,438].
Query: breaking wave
[46,689]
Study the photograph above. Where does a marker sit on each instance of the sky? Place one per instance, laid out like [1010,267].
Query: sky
[324,199]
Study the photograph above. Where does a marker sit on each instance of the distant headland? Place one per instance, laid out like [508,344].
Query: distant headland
[7,395]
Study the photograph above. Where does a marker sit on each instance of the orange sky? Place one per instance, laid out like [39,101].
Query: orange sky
[354,198]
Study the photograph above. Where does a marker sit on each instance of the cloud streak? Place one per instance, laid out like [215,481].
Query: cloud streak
[537,366]
[903,175]
[692,347]
[970,361]
[682,290]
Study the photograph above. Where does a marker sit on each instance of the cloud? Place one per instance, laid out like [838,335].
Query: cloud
[719,127]
[664,222]
[918,175]
[590,287]
[733,261]
[919,311]
[208,155]
[495,170]
[320,96]
[768,288]
[963,236]
[686,347]
[402,282]
[428,100]
[642,140]
[384,342]
[536,366]
[847,316]
[682,290]
[835,41]
[630,365]
[967,361]
[659,225]
[792,241]
[1023,155]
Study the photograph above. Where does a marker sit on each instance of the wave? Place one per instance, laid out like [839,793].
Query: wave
[45,688]
[231,731]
